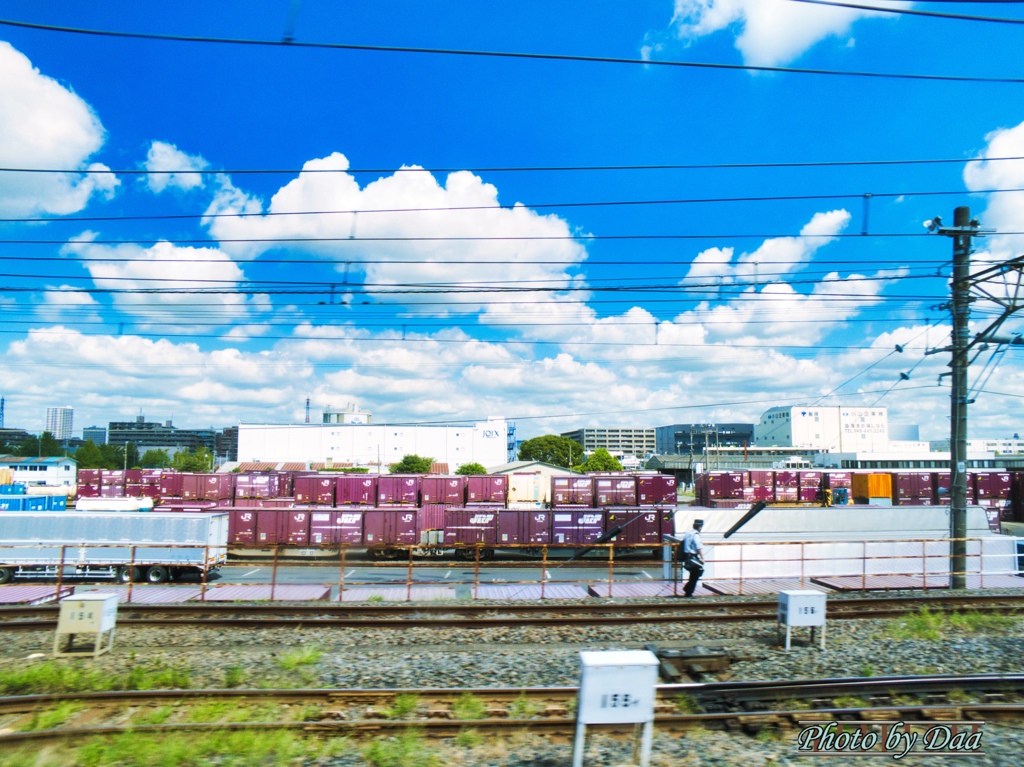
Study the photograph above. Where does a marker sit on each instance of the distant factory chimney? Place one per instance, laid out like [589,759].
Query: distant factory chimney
[1,412]
[307,409]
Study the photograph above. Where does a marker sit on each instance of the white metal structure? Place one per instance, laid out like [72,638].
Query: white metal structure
[375,446]
[845,429]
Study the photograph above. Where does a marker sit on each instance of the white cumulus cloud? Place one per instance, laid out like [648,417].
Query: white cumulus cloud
[163,156]
[768,32]
[45,125]
[404,227]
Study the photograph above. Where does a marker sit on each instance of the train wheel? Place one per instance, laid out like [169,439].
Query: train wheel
[6,575]
[157,574]
[487,554]
[124,574]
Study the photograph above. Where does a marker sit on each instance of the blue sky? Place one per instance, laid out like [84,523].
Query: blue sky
[521,302]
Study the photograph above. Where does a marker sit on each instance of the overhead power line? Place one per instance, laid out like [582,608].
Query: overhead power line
[912,12]
[531,206]
[518,168]
[513,55]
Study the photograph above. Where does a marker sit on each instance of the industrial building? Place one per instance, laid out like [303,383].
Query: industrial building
[98,434]
[692,438]
[376,446]
[621,443]
[151,435]
[829,429]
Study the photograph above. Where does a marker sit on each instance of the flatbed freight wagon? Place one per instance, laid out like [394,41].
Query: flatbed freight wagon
[123,545]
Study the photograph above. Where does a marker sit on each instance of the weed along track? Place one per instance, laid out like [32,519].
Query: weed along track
[435,681]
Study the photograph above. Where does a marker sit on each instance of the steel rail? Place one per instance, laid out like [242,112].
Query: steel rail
[561,726]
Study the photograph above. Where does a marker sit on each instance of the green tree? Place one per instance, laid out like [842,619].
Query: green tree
[601,460]
[43,445]
[200,459]
[412,464]
[471,468]
[89,456]
[558,451]
[155,459]
[113,456]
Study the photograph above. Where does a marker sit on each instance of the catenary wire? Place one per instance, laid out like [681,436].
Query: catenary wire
[522,168]
[511,55]
[912,12]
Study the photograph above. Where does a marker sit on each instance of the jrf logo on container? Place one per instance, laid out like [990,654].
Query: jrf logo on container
[890,738]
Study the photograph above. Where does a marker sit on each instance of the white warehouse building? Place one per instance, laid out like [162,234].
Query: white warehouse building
[375,446]
[829,429]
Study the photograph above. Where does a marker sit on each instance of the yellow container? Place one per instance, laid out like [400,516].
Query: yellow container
[872,486]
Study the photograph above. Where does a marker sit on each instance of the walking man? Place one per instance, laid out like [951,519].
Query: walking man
[693,556]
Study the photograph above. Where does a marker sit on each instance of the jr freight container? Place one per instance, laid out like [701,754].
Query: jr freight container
[383,529]
[487,488]
[472,525]
[153,546]
[331,527]
[872,488]
[524,527]
[448,490]
[655,490]
[572,491]
[640,526]
[315,489]
[615,491]
[576,526]
[355,490]
[398,490]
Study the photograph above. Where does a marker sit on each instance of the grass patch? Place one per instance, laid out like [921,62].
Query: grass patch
[687,704]
[793,704]
[468,706]
[406,750]
[215,711]
[933,626]
[767,736]
[404,706]
[301,656]
[959,696]
[376,599]
[469,738]
[234,676]
[156,716]
[58,677]
[867,670]
[226,749]
[54,717]
[524,708]
[848,701]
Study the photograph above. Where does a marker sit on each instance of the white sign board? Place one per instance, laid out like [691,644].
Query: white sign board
[617,687]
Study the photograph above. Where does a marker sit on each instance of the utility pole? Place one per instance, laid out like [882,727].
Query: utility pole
[963,229]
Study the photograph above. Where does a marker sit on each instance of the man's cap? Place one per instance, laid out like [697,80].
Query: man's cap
[698,523]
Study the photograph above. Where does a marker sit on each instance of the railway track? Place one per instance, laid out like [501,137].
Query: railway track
[742,707]
[435,615]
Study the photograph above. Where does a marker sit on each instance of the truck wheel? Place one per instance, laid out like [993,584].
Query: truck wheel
[125,573]
[6,575]
[157,574]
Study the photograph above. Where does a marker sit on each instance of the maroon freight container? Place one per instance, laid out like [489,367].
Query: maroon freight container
[449,490]
[467,526]
[808,480]
[1002,485]
[655,489]
[242,527]
[576,526]
[331,527]
[296,526]
[761,478]
[88,491]
[572,491]
[217,487]
[193,485]
[133,477]
[171,484]
[839,479]
[615,491]
[390,527]
[808,494]
[640,526]
[487,488]
[761,493]
[112,476]
[941,482]
[398,490]
[180,505]
[255,486]
[355,490]
[271,527]
[151,476]
[524,526]
[430,516]
[112,491]
[787,493]
[133,491]
[786,479]
[315,488]
[90,476]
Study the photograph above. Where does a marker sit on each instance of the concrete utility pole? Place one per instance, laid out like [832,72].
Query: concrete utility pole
[963,229]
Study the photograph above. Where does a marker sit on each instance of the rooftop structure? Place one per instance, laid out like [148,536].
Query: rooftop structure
[620,442]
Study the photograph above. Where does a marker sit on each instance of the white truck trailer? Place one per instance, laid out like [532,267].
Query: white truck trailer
[120,545]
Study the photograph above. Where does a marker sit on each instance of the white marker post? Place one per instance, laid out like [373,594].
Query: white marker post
[616,687]
[801,608]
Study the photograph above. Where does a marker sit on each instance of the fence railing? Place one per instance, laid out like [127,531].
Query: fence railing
[922,563]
